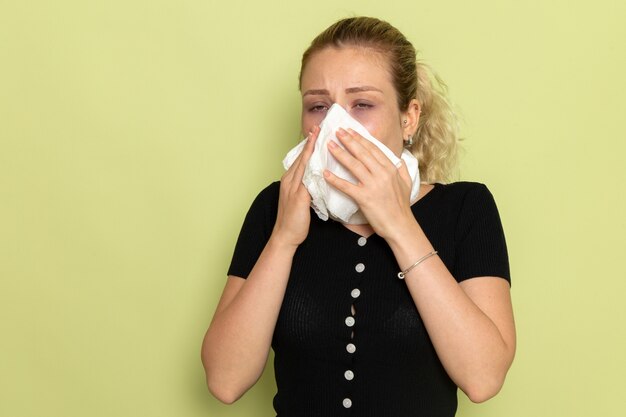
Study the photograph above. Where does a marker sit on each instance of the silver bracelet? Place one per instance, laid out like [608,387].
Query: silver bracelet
[402,274]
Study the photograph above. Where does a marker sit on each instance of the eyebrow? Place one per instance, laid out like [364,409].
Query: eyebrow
[350,90]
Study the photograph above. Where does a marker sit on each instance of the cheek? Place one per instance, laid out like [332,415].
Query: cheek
[363,117]
[308,120]
[372,121]
[383,130]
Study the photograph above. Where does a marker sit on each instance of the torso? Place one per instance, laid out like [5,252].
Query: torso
[394,369]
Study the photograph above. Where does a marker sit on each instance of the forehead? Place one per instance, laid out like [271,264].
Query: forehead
[346,65]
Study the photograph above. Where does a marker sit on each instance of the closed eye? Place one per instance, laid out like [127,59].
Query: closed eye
[363,106]
[318,108]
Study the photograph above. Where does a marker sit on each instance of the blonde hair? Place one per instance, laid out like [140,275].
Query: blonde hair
[435,143]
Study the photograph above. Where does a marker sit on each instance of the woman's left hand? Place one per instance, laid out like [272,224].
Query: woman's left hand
[383,190]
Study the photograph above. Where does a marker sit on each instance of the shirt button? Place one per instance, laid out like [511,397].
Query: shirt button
[347,402]
[362,241]
[349,321]
[349,375]
[355,293]
[359,267]
[351,348]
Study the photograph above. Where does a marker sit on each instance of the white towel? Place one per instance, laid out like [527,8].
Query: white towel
[325,199]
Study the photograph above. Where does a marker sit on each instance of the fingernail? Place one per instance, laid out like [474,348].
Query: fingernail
[341,131]
[332,144]
[326,173]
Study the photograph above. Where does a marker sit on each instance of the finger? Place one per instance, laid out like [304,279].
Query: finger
[304,156]
[342,185]
[310,146]
[375,150]
[289,173]
[357,146]
[345,158]
[305,153]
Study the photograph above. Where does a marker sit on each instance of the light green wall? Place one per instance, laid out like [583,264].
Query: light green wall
[135,134]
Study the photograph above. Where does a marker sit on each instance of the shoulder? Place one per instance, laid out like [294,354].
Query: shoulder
[463,189]
[267,198]
[478,235]
[262,211]
[473,193]
[457,196]
[270,192]
[255,231]
[462,205]
[471,198]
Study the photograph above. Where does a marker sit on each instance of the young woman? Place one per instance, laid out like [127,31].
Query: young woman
[349,336]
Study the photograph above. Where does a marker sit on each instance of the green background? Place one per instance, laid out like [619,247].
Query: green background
[135,134]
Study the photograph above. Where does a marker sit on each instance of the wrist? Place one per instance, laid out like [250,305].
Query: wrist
[401,229]
[278,241]
[408,237]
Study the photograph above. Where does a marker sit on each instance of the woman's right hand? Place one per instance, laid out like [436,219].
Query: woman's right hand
[294,217]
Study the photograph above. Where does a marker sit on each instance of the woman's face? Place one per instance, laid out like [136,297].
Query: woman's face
[358,80]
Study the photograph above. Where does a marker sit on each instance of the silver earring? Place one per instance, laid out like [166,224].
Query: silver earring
[404,121]
[408,142]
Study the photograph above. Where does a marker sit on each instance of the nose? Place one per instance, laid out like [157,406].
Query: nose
[343,104]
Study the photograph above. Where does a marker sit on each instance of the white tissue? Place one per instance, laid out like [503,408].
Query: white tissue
[325,199]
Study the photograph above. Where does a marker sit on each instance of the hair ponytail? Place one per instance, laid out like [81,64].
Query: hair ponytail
[436,141]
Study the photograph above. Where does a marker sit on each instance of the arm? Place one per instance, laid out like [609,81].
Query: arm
[470,324]
[237,343]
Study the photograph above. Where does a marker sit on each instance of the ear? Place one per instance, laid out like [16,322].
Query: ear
[412,117]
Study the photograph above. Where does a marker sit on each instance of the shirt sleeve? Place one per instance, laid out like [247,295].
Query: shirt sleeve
[255,231]
[480,243]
